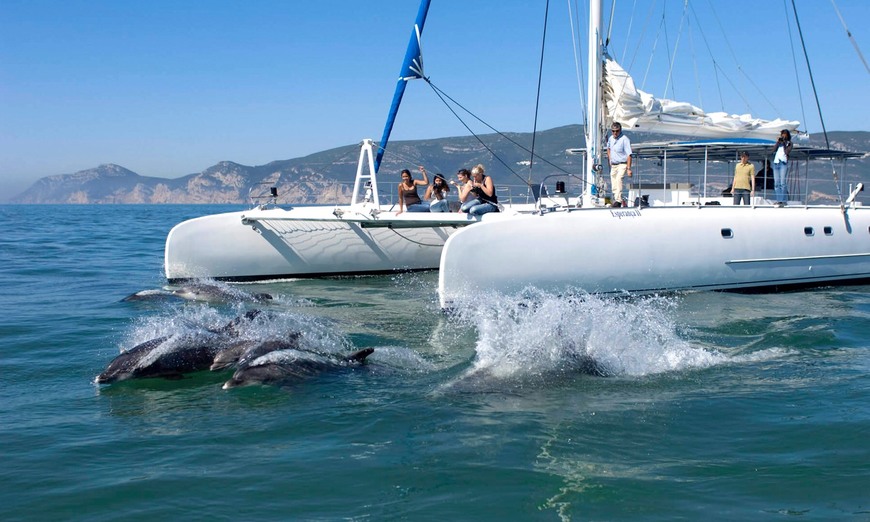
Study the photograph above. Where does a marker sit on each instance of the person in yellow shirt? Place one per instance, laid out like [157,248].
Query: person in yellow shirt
[743,186]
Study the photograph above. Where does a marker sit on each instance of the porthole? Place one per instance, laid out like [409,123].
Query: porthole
[829,231]
[727,233]
[809,231]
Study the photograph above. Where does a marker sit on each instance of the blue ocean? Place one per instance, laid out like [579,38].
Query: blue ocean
[705,406]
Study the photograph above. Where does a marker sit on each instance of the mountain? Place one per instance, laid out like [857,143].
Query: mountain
[327,176]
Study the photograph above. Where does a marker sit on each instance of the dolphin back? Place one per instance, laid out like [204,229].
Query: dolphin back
[285,366]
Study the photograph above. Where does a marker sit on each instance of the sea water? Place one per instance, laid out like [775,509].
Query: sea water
[708,406]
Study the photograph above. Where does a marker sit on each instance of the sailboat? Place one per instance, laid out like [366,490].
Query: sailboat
[680,241]
[365,236]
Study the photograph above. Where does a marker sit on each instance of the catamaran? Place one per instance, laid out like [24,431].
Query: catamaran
[672,240]
[365,236]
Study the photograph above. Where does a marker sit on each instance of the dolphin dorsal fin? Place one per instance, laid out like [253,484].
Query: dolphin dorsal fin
[359,356]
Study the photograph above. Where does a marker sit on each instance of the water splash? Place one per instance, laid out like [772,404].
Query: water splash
[537,335]
[202,321]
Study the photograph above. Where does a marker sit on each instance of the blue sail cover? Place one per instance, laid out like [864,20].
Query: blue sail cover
[412,68]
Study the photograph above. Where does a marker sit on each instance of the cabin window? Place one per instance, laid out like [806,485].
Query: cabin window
[727,233]
[809,231]
[829,231]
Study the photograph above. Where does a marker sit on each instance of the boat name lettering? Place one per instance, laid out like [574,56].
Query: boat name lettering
[625,213]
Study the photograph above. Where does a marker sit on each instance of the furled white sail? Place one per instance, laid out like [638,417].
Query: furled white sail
[640,111]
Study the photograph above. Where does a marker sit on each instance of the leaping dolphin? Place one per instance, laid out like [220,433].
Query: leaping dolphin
[242,353]
[171,356]
[286,366]
[166,358]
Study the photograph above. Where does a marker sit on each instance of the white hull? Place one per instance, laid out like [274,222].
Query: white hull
[310,241]
[659,249]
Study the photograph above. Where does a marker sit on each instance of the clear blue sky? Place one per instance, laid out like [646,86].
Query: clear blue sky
[171,87]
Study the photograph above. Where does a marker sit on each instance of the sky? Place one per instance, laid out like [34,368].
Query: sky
[168,88]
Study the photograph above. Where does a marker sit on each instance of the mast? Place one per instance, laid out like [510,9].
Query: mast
[412,68]
[593,102]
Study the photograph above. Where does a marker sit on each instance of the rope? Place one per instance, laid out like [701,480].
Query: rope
[637,47]
[797,80]
[442,95]
[538,94]
[818,105]
[849,34]
[416,160]
[438,92]
[406,238]
[673,58]
[737,64]
[628,31]
[578,66]
[652,52]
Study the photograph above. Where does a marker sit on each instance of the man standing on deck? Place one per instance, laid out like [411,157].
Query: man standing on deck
[619,156]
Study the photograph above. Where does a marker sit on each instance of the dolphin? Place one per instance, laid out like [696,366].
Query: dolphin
[172,356]
[587,365]
[165,359]
[208,292]
[286,366]
[242,353]
[232,327]
[150,295]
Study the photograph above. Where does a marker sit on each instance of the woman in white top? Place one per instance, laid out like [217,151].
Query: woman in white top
[781,151]
[436,194]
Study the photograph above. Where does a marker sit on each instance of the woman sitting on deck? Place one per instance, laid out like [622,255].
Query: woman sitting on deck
[408,197]
[483,198]
[436,194]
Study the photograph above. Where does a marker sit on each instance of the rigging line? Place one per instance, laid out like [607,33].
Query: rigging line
[739,66]
[538,95]
[712,57]
[494,155]
[818,105]
[441,94]
[652,52]
[406,238]
[695,63]
[402,157]
[849,34]
[797,79]
[578,66]
[610,24]
[668,58]
[628,32]
[732,84]
[414,160]
[646,25]
[673,58]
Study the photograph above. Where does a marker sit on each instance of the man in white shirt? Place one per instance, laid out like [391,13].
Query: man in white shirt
[619,156]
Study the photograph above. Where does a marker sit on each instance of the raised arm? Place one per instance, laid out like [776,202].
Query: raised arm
[425,180]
